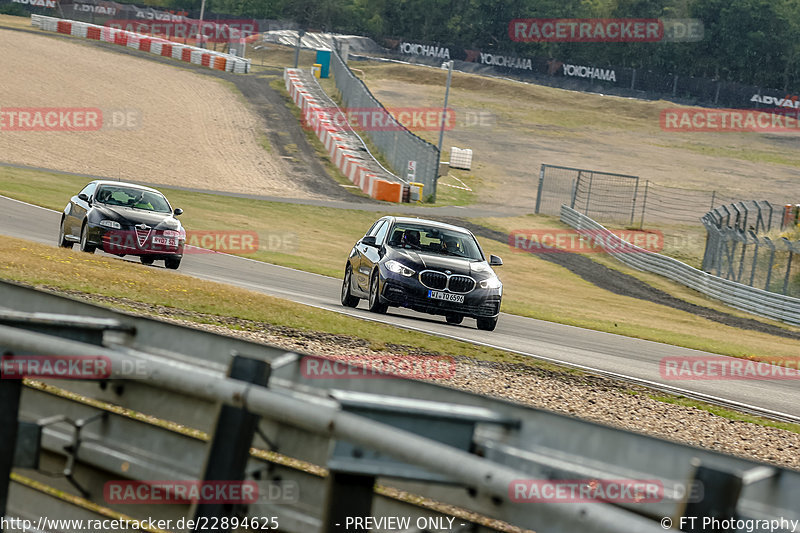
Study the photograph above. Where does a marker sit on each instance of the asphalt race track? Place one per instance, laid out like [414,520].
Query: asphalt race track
[605,353]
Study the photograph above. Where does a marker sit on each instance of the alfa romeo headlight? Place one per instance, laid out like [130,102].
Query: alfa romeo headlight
[399,268]
[491,283]
[110,224]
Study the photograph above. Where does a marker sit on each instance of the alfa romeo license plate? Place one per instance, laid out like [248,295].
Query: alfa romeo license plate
[164,241]
[446,296]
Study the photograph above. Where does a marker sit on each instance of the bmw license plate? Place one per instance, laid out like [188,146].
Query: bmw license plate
[446,296]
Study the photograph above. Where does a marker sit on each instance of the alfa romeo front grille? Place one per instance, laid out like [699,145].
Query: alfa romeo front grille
[142,233]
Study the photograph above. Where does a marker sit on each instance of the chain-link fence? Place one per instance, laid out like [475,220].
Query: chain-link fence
[619,198]
[744,244]
[599,195]
[408,156]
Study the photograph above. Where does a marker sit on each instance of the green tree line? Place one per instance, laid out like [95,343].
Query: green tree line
[749,41]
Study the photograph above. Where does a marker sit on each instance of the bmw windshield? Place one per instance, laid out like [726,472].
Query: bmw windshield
[434,240]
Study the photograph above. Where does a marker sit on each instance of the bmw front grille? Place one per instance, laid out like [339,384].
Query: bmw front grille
[440,281]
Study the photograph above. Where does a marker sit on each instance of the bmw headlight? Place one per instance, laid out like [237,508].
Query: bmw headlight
[491,283]
[110,224]
[399,268]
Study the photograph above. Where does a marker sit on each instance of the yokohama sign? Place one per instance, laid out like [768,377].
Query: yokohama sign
[590,72]
[416,49]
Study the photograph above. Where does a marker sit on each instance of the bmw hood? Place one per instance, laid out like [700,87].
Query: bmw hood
[435,262]
[129,216]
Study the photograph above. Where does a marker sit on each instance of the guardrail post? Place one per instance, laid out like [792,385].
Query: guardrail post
[229,448]
[347,495]
[721,492]
[10,391]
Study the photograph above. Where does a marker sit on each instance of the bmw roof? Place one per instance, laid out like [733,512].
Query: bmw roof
[432,223]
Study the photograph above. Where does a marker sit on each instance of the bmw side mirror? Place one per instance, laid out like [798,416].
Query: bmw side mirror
[83,197]
[178,211]
[369,240]
[495,261]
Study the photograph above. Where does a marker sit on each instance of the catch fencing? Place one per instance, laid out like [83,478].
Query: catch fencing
[739,247]
[738,295]
[620,198]
[203,407]
[409,156]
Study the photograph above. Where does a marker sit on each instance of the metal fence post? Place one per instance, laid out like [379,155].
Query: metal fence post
[347,495]
[644,202]
[633,202]
[229,449]
[10,391]
[539,191]
[588,195]
[771,261]
[755,260]
[788,264]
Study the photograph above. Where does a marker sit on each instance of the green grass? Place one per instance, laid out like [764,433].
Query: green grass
[735,152]
[726,413]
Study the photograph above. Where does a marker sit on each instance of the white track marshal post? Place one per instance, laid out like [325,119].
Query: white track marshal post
[449,66]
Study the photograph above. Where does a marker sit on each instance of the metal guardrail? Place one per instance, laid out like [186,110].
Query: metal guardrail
[740,296]
[437,443]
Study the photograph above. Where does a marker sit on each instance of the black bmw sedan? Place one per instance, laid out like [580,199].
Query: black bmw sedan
[426,266]
[123,219]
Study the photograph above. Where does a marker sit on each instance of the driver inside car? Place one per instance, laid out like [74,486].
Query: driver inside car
[451,245]
[142,203]
[411,238]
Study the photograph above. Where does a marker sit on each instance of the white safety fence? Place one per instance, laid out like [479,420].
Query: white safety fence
[738,295]
[145,43]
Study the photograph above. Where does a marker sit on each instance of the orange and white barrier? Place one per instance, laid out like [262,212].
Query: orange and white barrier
[347,157]
[145,43]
